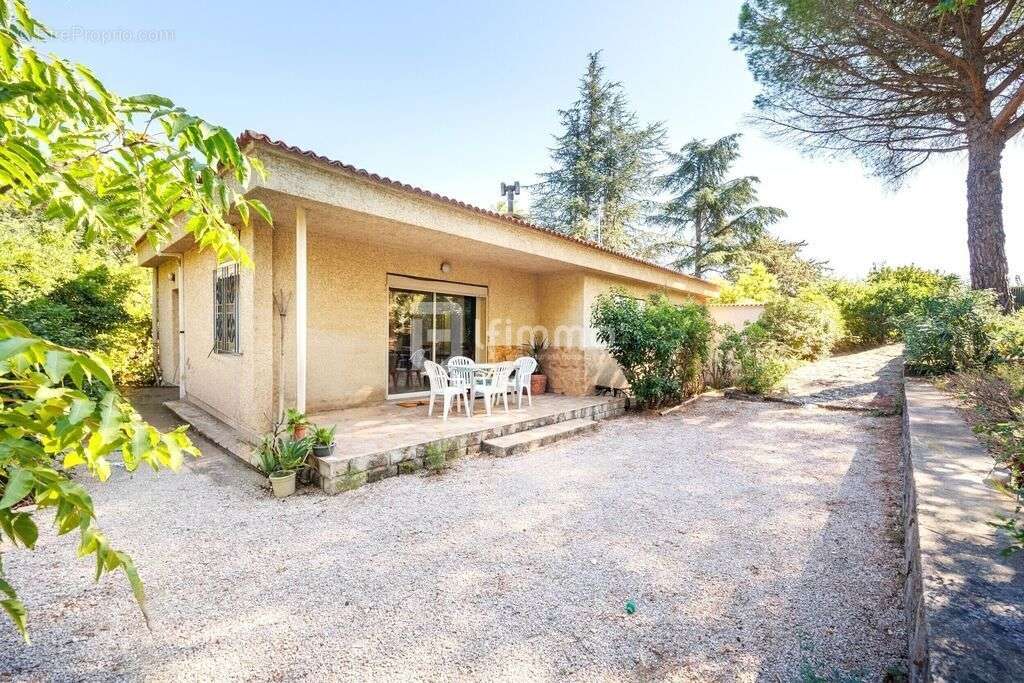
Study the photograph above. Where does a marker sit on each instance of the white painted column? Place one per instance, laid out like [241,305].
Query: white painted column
[300,309]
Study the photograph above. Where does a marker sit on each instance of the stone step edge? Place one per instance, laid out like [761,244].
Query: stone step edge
[529,439]
[212,429]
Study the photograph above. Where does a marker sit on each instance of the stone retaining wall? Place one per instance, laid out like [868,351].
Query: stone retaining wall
[964,601]
[357,471]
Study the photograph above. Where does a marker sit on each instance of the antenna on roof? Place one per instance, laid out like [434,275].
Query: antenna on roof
[509,191]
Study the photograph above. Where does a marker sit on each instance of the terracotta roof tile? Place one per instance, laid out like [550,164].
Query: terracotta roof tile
[251,136]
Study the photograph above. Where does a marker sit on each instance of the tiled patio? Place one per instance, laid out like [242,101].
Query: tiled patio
[383,440]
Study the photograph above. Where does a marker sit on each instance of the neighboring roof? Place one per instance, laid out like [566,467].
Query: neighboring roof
[749,304]
[251,136]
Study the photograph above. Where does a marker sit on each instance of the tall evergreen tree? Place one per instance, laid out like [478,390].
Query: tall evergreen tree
[710,217]
[603,165]
[894,83]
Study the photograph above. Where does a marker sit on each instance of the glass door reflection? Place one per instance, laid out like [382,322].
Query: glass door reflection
[426,326]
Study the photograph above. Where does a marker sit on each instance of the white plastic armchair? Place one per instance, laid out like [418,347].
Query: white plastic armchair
[440,386]
[525,365]
[460,370]
[492,383]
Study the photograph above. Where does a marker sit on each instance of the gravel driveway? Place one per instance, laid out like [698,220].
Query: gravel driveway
[755,538]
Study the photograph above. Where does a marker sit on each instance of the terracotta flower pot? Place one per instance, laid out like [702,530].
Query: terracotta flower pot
[538,384]
[299,432]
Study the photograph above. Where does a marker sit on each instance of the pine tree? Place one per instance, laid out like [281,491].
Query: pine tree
[710,217]
[603,165]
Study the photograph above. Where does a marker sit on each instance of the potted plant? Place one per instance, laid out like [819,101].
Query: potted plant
[297,422]
[269,463]
[535,349]
[323,441]
[280,460]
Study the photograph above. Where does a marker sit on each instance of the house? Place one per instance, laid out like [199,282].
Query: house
[360,279]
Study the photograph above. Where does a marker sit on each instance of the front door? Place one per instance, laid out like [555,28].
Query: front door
[425,325]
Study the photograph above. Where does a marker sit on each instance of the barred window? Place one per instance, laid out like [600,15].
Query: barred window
[225,308]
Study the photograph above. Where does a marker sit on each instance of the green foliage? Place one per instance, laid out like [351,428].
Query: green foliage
[1008,337]
[294,452]
[604,163]
[792,271]
[951,331]
[111,168]
[323,436]
[660,346]
[87,296]
[711,217]
[535,349]
[108,165]
[60,413]
[761,363]
[754,284]
[873,311]
[268,455]
[295,418]
[806,326]
[435,457]
[275,453]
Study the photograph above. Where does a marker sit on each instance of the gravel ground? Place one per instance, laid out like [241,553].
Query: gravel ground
[756,539]
[862,380]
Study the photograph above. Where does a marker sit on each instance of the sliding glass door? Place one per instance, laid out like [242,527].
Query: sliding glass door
[425,325]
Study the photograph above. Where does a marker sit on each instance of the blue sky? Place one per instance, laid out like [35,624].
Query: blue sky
[458,96]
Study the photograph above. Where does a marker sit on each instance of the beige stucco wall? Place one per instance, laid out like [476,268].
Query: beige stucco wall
[166,325]
[234,387]
[736,316]
[348,310]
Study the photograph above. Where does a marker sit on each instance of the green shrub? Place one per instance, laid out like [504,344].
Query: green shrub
[1008,337]
[806,326]
[952,331]
[660,346]
[753,283]
[873,311]
[435,457]
[760,363]
[89,297]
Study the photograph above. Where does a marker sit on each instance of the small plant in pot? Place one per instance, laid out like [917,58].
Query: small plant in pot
[323,441]
[297,422]
[280,460]
[535,349]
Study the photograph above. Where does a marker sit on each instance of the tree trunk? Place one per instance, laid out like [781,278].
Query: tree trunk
[698,248]
[986,241]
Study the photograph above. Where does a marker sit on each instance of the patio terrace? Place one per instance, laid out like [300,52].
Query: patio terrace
[383,440]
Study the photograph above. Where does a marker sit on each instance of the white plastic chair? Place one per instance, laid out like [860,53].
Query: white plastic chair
[460,370]
[525,365]
[491,383]
[440,386]
[416,360]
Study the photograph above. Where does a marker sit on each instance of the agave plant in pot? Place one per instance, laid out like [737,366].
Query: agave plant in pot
[535,349]
[280,459]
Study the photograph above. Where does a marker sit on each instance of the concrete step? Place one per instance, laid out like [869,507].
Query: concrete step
[212,429]
[527,440]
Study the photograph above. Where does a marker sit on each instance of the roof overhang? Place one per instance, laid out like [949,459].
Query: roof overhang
[309,177]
